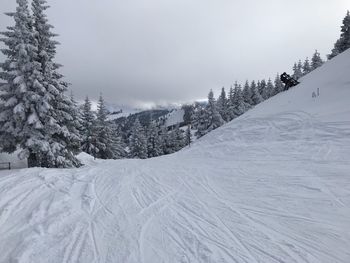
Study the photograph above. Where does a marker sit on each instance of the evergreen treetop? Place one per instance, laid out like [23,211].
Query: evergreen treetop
[316,60]
[343,43]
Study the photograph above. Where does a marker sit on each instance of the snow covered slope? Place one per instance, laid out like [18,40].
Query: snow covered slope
[175,117]
[271,186]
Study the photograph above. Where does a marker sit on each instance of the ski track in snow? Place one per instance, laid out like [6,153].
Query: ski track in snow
[161,210]
[263,188]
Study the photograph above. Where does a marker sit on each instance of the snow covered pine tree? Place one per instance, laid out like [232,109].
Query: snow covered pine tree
[343,43]
[67,138]
[222,105]
[138,141]
[105,139]
[88,129]
[188,135]
[256,96]
[278,85]
[35,113]
[316,61]
[154,140]
[210,118]
[306,67]
[247,94]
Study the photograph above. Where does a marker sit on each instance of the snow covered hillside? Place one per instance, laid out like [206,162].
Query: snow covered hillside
[175,117]
[271,186]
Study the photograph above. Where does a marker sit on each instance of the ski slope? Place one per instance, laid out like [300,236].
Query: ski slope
[271,186]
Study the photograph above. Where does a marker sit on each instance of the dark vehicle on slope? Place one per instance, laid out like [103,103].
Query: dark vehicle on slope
[288,81]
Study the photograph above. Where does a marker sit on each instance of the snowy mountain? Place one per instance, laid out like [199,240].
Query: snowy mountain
[271,186]
[120,114]
[119,111]
[116,111]
[175,117]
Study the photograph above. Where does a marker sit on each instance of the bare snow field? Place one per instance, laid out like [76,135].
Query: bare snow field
[271,186]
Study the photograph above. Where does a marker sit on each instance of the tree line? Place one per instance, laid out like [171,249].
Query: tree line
[301,69]
[105,139]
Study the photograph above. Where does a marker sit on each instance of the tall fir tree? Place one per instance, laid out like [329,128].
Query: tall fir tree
[336,50]
[20,72]
[270,88]
[232,101]
[170,142]
[138,141]
[179,139]
[256,96]
[345,33]
[195,118]
[199,120]
[316,61]
[210,118]
[239,105]
[154,141]
[300,69]
[231,95]
[188,137]
[188,112]
[343,43]
[297,70]
[77,122]
[262,89]
[36,114]
[278,85]
[164,139]
[88,129]
[106,140]
[119,146]
[247,94]
[306,67]
[68,137]
[215,119]
[222,103]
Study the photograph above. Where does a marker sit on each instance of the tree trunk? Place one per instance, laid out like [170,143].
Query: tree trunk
[33,160]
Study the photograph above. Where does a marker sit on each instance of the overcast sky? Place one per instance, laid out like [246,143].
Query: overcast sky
[141,53]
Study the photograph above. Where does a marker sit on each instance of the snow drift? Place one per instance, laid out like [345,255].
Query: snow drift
[271,186]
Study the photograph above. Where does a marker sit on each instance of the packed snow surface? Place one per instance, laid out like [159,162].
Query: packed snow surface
[271,186]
